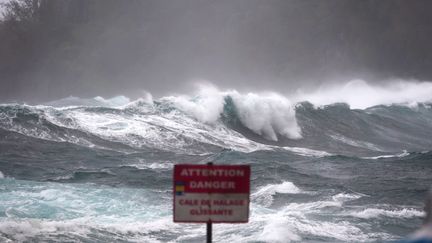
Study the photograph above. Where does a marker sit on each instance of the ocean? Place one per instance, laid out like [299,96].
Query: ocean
[100,170]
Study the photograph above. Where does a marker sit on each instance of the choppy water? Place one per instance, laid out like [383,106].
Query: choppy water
[95,170]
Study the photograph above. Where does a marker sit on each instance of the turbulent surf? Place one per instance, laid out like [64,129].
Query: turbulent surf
[98,170]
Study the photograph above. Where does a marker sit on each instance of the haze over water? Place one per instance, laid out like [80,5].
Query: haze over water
[328,101]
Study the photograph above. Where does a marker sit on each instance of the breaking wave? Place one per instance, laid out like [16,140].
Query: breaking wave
[212,120]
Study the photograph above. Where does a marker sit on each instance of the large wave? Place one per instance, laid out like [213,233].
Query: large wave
[211,120]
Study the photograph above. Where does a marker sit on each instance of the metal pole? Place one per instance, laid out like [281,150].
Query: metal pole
[209,223]
[209,232]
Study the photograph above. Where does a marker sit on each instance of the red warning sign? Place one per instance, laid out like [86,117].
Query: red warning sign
[211,193]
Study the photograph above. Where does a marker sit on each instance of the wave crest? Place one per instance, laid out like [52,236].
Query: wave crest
[212,120]
[268,115]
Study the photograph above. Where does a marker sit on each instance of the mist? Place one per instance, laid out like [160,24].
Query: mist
[55,49]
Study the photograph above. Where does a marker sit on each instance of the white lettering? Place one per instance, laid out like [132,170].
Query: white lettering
[212,185]
[184,173]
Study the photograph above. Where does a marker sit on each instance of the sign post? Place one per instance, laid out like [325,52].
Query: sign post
[209,223]
[209,232]
[211,194]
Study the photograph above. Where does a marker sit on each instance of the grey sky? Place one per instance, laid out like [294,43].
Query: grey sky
[162,46]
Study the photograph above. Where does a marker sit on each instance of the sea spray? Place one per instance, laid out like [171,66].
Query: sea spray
[359,94]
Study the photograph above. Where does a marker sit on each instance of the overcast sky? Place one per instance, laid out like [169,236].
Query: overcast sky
[125,47]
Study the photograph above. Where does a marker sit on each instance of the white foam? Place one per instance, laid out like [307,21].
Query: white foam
[400,155]
[206,106]
[76,229]
[276,230]
[143,105]
[84,211]
[344,197]
[64,177]
[308,152]
[396,213]
[267,114]
[359,94]
[311,206]
[72,101]
[1,175]
[265,194]
[21,230]
[154,166]
[336,201]
[38,129]
[171,131]
[295,221]
[116,101]
[341,231]
[49,211]
[356,143]
[292,222]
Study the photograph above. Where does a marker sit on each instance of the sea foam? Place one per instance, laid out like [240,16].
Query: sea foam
[265,194]
[308,152]
[359,94]
[399,155]
[267,114]
[392,213]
